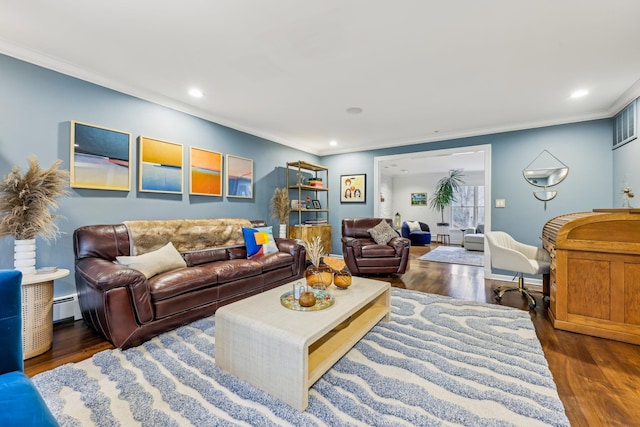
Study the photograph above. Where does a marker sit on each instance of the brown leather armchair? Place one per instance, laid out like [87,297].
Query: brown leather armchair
[364,256]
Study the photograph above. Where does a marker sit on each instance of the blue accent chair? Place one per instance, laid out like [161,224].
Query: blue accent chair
[20,403]
[418,238]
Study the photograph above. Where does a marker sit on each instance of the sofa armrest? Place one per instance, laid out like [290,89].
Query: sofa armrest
[104,275]
[100,276]
[399,244]
[354,244]
[289,246]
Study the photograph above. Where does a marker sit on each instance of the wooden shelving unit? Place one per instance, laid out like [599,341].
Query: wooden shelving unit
[298,175]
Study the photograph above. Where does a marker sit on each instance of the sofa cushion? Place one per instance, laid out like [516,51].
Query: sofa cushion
[166,258]
[273,261]
[382,233]
[378,251]
[235,269]
[259,241]
[176,282]
[204,256]
[414,227]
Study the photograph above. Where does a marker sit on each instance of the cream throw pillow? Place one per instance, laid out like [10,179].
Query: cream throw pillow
[382,233]
[414,226]
[155,262]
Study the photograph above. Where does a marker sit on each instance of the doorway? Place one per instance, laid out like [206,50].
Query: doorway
[476,158]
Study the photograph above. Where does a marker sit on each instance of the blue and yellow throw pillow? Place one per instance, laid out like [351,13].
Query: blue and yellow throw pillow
[259,241]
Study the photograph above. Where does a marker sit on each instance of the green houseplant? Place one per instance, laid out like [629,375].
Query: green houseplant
[445,192]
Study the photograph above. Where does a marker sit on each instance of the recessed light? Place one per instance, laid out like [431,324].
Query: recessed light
[196,93]
[354,110]
[579,93]
[333,143]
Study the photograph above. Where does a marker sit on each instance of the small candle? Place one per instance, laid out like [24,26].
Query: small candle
[298,288]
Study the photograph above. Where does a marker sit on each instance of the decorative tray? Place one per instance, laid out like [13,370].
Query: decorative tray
[326,301]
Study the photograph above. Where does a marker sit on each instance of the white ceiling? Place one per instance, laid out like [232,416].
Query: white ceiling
[287,70]
[433,162]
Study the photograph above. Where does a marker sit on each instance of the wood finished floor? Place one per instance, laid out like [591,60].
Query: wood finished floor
[598,380]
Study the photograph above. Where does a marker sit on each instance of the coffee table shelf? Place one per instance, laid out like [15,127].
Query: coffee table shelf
[326,351]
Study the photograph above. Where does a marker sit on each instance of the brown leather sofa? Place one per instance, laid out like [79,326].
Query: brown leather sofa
[127,308]
[364,256]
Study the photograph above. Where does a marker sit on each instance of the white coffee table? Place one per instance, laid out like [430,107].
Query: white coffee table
[284,352]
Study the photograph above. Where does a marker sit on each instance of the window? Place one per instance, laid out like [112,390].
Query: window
[624,129]
[467,211]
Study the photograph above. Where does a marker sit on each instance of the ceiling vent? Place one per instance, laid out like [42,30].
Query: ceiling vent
[624,125]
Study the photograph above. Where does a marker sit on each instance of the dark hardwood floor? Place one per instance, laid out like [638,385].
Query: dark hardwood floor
[598,380]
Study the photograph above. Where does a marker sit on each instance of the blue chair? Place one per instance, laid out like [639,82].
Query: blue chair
[20,403]
[418,238]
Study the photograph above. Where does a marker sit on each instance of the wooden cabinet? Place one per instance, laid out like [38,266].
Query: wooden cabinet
[595,273]
[308,184]
[308,232]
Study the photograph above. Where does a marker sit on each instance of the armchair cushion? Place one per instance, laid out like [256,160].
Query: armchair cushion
[414,226]
[382,233]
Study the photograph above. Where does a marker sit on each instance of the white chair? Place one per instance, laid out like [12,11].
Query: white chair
[509,254]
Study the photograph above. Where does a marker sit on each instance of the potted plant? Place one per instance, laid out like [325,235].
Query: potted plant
[280,209]
[445,193]
[26,205]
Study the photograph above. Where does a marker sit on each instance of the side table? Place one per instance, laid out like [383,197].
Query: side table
[37,312]
[443,239]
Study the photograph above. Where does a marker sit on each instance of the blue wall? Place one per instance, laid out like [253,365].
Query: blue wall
[37,104]
[584,147]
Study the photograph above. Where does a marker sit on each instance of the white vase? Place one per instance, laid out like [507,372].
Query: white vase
[25,256]
[282,233]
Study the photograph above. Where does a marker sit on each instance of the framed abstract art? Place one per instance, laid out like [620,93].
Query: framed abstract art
[239,172]
[100,158]
[205,172]
[160,166]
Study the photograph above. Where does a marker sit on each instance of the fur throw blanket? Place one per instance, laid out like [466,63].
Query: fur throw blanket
[185,234]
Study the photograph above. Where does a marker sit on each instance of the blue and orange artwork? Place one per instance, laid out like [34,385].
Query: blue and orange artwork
[160,166]
[206,172]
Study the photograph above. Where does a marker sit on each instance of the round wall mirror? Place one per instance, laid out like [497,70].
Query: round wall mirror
[546,177]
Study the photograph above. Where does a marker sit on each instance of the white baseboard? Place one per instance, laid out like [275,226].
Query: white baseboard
[66,307]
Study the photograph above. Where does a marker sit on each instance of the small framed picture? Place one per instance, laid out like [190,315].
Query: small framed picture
[353,188]
[239,173]
[316,204]
[418,199]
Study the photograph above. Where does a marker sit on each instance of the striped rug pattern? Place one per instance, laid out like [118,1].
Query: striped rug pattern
[439,361]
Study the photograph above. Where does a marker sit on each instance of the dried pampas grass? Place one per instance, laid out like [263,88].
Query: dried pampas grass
[27,201]
[280,207]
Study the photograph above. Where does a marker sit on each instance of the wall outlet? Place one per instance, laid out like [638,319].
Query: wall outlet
[501,203]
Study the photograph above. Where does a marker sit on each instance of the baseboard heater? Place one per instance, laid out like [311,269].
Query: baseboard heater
[66,307]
